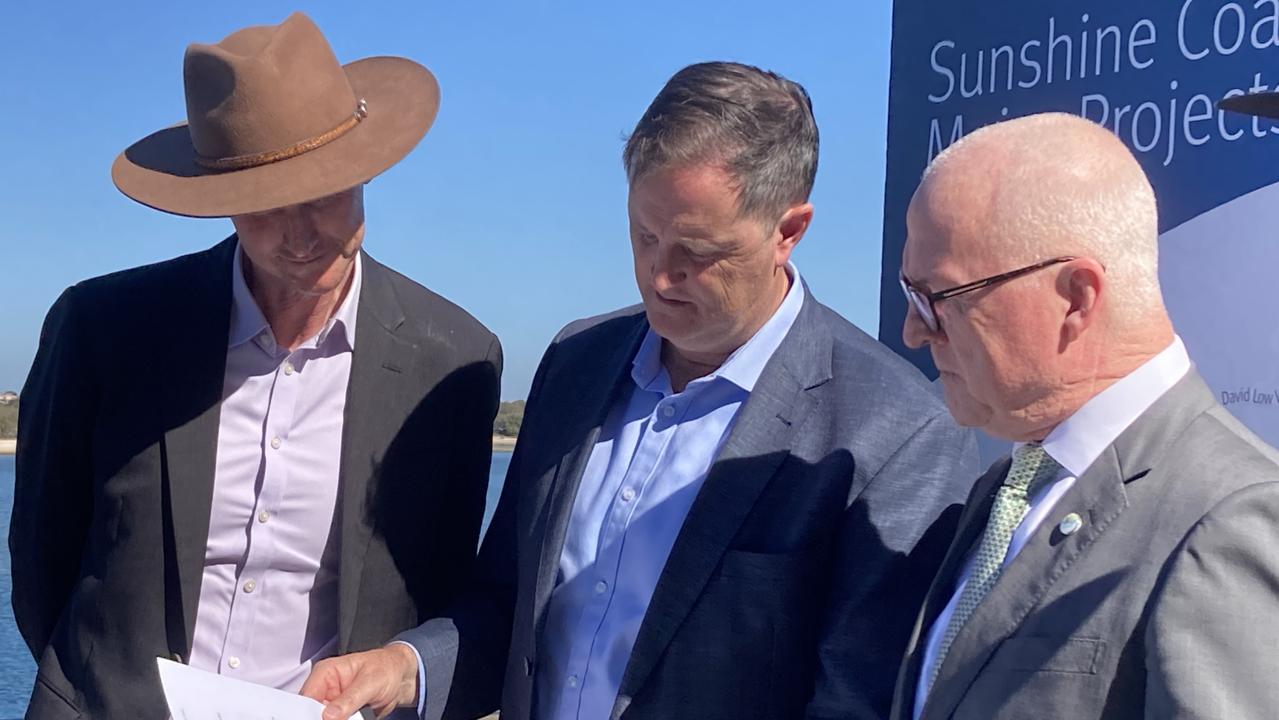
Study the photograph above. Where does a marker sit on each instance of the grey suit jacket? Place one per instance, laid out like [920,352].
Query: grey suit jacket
[116,452]
[1164,605]
[793,583]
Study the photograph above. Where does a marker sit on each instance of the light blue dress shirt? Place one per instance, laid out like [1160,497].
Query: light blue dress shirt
[653,454]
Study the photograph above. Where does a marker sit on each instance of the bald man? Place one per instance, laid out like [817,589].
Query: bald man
[1124,562]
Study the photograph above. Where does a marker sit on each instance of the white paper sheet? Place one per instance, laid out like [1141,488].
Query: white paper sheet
[198,695]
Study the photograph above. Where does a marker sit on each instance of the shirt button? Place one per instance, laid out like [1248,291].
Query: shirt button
[264,516]
[233,662]
[601,587]
[275,443]
[628,494]
[668,411]
[288,368]
[572,681]
[250,586]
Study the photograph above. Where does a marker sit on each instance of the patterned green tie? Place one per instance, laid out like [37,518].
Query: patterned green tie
[1031,467]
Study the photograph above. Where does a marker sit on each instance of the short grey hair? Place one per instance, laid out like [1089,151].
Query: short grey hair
[756,124]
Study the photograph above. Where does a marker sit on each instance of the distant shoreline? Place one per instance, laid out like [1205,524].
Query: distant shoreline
[501,443]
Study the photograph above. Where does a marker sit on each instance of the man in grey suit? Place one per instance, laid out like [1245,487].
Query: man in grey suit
[1122,564]
[724,503]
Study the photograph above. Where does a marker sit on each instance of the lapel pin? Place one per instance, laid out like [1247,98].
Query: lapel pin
[1070,524]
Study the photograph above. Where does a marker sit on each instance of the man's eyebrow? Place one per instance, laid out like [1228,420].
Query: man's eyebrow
[924,284]
[703,246]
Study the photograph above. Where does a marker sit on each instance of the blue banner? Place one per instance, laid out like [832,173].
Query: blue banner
[1152,71]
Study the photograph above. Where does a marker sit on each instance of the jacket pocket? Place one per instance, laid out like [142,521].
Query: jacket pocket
[1075,655]
[48,702]
[766,566]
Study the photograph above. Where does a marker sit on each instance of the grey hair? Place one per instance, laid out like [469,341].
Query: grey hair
[1067,186]
[756,123]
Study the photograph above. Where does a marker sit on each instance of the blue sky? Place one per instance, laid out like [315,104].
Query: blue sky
[514,204]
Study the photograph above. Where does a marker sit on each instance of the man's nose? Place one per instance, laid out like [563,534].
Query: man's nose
[667,271]
[915,332]
[299,236]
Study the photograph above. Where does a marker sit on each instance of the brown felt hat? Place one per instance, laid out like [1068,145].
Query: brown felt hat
[274,120]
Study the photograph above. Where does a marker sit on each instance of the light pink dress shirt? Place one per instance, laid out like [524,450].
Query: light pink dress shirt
[269,596]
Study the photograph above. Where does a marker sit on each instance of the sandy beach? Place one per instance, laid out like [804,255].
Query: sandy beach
[9,445]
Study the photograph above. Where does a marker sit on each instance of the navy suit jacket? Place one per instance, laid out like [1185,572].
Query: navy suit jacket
[794,581]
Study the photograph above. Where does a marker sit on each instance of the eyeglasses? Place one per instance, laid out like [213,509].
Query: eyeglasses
[925,302]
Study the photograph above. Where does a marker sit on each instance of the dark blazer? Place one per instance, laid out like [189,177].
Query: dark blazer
[792,586]
[116,452]
[1158,607]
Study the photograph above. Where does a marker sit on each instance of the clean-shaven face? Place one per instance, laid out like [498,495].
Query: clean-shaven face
[708,277]
[996,349]
[307,249]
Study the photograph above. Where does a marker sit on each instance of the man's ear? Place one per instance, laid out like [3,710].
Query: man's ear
[790,230]
[1082,283]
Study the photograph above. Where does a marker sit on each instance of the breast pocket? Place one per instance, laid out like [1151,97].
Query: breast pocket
[775,584]
[1039,677]
[743,565]
[1071,655]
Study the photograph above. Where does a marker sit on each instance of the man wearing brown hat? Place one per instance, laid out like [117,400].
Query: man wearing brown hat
[268,452]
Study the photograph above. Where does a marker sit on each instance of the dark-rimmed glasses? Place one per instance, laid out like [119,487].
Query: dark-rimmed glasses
[925,302]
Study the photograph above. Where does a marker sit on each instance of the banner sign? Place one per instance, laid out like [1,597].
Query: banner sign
[1151,71]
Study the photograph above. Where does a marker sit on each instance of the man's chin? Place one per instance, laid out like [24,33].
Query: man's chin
[677,337]
[962,408]
[668,321]
[318,280]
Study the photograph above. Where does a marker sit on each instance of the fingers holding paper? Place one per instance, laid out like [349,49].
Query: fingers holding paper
[383,679]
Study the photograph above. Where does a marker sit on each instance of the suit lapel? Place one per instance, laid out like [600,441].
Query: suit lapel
[379,361]
[191,397]
[762,436]
[603,377]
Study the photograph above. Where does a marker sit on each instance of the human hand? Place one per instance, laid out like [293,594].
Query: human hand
[383,679]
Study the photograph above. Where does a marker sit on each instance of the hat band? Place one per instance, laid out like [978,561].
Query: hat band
[240,162]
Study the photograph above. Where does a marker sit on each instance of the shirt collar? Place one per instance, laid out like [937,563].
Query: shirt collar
[248,322]
[1076,443]
[744,366]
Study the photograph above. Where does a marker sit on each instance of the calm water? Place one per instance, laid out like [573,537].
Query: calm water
[17,671]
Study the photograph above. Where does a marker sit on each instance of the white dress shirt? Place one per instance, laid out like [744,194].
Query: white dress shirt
[1075,444]
[268,596]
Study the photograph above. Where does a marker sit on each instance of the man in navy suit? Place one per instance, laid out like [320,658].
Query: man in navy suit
[726,502]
